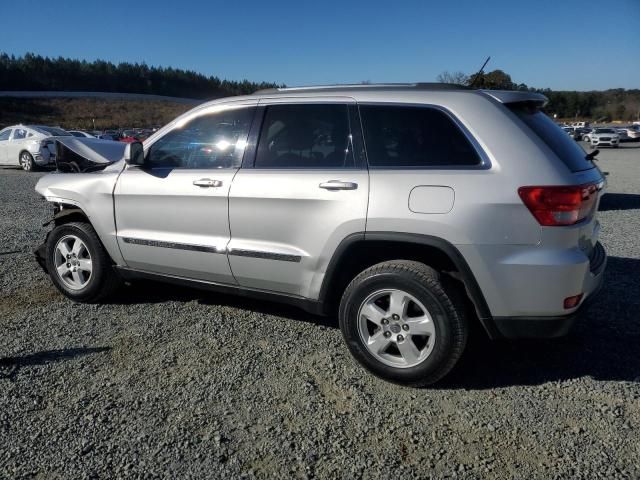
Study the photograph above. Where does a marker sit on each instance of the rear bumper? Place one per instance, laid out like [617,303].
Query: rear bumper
[540,327]
[559,325]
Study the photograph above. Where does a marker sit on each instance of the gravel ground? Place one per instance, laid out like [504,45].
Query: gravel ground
[168,382]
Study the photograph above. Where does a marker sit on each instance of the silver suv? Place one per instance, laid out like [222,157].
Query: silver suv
[409,211]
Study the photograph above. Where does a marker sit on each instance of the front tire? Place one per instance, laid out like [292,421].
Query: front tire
[404,322]
[78,264]
[26,162]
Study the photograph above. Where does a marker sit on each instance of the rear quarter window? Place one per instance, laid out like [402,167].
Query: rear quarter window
[565,147]
[414,137]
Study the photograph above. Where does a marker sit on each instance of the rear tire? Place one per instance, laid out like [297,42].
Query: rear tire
[78,264]
[404,322]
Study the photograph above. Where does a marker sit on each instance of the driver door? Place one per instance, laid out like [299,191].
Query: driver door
[172,213]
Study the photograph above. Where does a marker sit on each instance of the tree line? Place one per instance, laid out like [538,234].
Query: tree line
[37,73]
[614,104]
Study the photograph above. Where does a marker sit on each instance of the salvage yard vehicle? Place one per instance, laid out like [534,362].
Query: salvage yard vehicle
[29,146]
[409,211]
[604,137]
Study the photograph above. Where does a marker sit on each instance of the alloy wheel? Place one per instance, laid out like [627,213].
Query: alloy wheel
[26,162]
[396,328]
[73,262]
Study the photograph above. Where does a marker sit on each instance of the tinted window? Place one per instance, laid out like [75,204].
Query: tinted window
[305,136]
[571,154]
[397,136]
[77,134]
[19,134]
[5,135]
[210,141]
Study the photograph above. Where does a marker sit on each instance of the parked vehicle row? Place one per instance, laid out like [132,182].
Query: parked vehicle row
[402,209]
[33,146]
[616,134]
[29,146]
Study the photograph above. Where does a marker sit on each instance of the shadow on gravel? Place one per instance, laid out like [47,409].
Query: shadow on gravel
[9,366]
[604,343]
[619,201]
[156,292]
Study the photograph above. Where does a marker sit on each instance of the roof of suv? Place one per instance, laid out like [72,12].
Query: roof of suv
[502,96]
[364,86]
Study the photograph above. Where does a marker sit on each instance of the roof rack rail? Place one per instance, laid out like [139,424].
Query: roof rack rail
[364,86]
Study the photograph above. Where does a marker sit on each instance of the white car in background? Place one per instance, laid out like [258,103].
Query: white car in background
[604,137]
[633,132]
[29,146]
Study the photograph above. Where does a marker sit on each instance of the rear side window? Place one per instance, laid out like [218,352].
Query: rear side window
[5,134]
[305,136]
[19,134]
[414,137]
[567,150]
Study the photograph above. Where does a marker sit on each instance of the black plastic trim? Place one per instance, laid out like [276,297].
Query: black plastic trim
[249,155]
[467,277]
[534,327]
[597,259]
[311,306]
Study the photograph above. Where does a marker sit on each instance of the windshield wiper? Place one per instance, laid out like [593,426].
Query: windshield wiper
[592,156]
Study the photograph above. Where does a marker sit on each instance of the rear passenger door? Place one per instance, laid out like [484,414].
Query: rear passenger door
[301,190]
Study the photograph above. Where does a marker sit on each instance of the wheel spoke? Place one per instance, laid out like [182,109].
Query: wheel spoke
[408,350]
[62,270]
[398,303]
[85,265]
[75,275]
[378,342]
[373,313]
[421,326]
[63,248]
[77,246]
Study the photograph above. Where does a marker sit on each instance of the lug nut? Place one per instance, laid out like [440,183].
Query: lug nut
[385,321]
[405,327]
[400,338]
[395,316]
[68,255]
[68,265]
[387,334]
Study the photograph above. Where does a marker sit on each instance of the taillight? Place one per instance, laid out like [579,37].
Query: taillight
[555,206]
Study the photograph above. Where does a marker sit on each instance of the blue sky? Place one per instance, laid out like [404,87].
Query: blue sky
[560,44]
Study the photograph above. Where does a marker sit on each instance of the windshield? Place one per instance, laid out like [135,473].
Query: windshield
[567,150]
[56,132]
[605,130]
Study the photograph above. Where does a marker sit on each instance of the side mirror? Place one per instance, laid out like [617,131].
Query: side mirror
[134,154]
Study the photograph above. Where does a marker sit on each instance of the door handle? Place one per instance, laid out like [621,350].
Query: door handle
[338,185]
[207,182]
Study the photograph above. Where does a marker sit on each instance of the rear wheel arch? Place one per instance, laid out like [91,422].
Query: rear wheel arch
[359,251]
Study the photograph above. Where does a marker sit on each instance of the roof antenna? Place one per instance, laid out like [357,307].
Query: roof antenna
[477,75]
